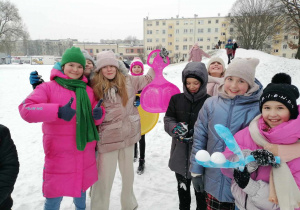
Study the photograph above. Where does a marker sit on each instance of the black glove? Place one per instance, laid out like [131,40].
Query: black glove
[241,178]
[66,112]
[198,183]
[137,102]
[264,158]
[181,129]
[35,79]
[97,111]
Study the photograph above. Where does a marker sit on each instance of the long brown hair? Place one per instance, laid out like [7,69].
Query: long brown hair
[101,85]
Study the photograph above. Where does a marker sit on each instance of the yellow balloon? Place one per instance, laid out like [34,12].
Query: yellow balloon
[148,120]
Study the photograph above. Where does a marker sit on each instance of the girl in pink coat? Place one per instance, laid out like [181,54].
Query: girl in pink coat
[271,186]
[69,111]
[196,54]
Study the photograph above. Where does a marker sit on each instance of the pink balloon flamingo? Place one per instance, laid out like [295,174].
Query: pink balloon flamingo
[155,96]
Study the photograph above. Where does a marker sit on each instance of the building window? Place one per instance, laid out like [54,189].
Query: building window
[209,22]
[191,22]
[97,50]
[149,31]
[223,25]
[157,40]
[170,51]
[223,33]
[157,23]
[149,40]
[170,43]
[163,31]
[131,50]
[275,50]
[184,39]
[163,40]
[177,39]
[185,22]
[139,50]
[208,39]
[176,47]
[200,39]
[284,46]
[157,31]
[169,35]
[201,47]
[208,30]
[232,21]
[200,22]
[177,31]
[200,30]
[217,21]
[184,47]
[296,37]
[283,55]
[127,51]
[216,30]
[170,26]
[164,23]
[285,37]
[185,31]
[208,47]
[177,22]
[191,31]
[276,41]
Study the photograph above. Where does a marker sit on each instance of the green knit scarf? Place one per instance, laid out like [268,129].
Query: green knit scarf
[86,130]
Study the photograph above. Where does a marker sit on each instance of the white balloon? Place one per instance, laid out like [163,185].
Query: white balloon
[202,155]
[218,158]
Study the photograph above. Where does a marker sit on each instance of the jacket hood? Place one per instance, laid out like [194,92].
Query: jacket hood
[198,69]
[59,73]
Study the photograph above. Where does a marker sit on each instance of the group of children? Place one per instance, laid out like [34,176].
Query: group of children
[265,123]
[90,107]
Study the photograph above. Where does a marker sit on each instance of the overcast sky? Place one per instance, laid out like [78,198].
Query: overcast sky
[92,20]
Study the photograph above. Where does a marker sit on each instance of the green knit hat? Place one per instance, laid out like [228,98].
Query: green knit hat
[73,54]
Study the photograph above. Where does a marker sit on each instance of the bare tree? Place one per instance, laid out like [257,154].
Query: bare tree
[292,11]
[131,40]
[11,26]
[255,22]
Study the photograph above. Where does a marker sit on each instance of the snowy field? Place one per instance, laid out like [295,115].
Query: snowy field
[156,189]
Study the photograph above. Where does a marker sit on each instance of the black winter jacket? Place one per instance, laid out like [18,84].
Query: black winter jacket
[9,168]
[184,107]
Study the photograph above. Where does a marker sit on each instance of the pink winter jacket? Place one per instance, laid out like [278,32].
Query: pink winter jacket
[67,171]
[196,55]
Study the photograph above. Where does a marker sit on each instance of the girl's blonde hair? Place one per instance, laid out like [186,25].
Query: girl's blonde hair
[102,85]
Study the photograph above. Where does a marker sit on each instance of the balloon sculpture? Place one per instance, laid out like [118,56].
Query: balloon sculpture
[156,96]
[218,160]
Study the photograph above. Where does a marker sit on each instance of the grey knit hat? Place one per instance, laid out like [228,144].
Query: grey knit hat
[88,56]
[244,68]
[106,58]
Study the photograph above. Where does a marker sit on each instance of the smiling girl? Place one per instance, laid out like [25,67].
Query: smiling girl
[216,70]
[271,187]
[234,107]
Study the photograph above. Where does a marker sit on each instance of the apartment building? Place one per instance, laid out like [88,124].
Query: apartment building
[178,35]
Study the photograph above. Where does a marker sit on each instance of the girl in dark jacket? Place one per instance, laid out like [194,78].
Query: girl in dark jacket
[9,168]
[179,123]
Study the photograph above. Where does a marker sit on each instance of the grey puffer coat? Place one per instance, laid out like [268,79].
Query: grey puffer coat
[235,114]
[184,107]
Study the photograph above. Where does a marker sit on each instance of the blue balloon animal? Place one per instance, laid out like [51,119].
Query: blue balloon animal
[229,140]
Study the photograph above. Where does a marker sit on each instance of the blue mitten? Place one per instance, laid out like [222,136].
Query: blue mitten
[97,111]
[198,183]
[66,112]
[137,101]
[35,79]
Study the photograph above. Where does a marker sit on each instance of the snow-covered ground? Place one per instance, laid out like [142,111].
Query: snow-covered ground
[157,187]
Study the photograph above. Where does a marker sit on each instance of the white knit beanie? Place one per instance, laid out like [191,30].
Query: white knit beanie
[216,59]
[106,58]
[244,68]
